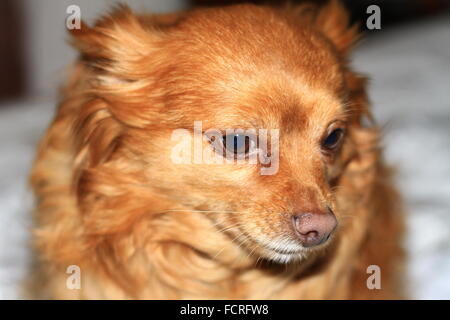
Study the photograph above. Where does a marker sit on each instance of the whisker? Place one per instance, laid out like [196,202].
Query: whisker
[204,211]
[237,225]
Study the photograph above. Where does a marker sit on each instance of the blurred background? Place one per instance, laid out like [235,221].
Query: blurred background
[408,61]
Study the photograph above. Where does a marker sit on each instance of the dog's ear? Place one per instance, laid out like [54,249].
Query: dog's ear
[118,57]
[104,69]
[110,93]
[118,44]
[358,99]
[333,21]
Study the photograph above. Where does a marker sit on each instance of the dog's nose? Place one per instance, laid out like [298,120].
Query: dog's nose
[314,228]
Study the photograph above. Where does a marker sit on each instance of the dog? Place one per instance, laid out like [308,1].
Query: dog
[302,207]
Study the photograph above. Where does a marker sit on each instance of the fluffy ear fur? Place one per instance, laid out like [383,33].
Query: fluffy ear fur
[107,90]
[116,44]
[333,20]
[114,55]
[119,54]
[330,19]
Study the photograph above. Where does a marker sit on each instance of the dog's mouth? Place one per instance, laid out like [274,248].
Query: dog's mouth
[279,250]
[286,250]
[285,256]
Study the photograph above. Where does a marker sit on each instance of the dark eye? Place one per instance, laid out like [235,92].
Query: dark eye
[239,144]
[332,141]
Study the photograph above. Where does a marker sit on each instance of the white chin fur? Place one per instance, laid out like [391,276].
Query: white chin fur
[284,250]
[285,258]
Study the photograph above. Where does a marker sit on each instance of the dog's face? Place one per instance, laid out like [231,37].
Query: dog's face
[242,113]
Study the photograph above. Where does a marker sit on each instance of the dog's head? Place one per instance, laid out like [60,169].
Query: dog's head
[247,114]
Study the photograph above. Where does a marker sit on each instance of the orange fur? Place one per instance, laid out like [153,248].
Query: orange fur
[139,226]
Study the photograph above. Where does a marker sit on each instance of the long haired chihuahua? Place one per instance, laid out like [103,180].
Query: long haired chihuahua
[217,153]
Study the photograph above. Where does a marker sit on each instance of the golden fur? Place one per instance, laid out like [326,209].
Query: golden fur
[139,226]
